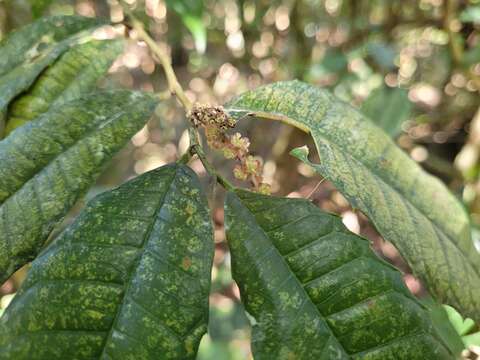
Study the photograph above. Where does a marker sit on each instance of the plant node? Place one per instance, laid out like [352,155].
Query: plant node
[216,122]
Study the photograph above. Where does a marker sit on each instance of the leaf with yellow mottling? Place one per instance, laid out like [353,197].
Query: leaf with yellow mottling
[47,164]
[409,207]
[75,73]
[112,286]
[26,52]
[317,291]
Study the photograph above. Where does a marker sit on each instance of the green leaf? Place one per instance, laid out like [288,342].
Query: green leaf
[317,291]
[472,339]
[47,164]
[25,53]
[462,326]
[442,325]
[73,74]
[128,280]
[388,108]
[191,13]
[409,207]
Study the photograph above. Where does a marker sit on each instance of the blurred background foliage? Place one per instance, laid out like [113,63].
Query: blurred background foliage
[412,66]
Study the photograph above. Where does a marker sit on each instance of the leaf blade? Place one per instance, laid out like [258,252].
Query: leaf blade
[25,53]
[318,291]
[48,163]
[72,75]
[407,205]
[127,249]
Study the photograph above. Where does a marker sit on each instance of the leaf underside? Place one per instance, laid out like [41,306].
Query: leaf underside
[25,53]
[409,207]
[49,163]
[73,74]
[317,291]
[128,280]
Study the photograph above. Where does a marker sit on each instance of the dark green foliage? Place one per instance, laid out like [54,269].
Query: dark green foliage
[409,207]
[75,73]
[317,291]
[128,280]
[25,53]
[50,162]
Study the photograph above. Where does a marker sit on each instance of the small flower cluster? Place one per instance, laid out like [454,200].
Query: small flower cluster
[216,122]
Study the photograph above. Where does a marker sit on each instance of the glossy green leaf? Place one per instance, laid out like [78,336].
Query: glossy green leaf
[388,108]
[317,291]
[128,280]
[48,163]
[25,53]
[73,74]
[409,207]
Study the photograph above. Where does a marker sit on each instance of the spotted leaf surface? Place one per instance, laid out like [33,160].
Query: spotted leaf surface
[128,280]
[409,207]
[73,74]
[25,53]
[48,163]
[317,291]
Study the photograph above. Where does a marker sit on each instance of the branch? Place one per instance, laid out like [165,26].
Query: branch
[176,89]
[165,60]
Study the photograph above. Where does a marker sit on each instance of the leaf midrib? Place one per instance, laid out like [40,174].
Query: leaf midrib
[294,276]
[142,249]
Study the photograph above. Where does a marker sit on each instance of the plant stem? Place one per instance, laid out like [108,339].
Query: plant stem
[176,89]
[164,59]
[197,149]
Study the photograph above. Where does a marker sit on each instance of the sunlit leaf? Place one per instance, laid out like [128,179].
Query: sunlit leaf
[128,280]
[409,207]
[317,291]
[49,162]
[75,73]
